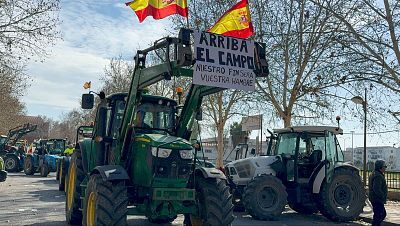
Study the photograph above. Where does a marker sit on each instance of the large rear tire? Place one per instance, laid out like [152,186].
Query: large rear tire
[105,203]
[344,198]
[74,178]
[265,197]
[215,203]
[29,166]
[11,163]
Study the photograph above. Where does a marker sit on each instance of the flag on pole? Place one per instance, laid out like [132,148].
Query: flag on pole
[236,22]
[87,85]
[158,9]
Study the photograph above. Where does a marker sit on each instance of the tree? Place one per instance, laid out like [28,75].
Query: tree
[11,89]
[370,38]
[27,28]
[305,70]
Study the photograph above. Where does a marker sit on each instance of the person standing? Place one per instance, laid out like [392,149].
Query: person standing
[378,192]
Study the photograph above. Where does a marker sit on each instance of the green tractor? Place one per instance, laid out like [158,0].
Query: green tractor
[140,160]
[83,132]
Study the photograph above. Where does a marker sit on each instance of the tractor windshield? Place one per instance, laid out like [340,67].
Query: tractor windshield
[155,117]
[2,140]
[286,144]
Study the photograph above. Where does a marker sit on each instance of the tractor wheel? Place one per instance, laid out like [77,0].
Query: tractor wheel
[106,203]
[162,220]
[62,173]
[29,166]
[58,169]
[11,163]
[344,197]
[215,203]
[74,178]
[304,209]
[265,197]
[44,170]
[3,175]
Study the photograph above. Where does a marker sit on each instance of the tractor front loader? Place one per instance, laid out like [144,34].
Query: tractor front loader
[139,160]
[14,157]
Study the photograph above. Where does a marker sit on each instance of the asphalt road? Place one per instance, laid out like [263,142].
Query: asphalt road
[34,200]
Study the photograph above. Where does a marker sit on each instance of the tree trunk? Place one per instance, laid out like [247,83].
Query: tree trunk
[220,145]
[287,120]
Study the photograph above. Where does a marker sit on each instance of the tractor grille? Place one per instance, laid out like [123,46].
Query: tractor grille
[173,166]
[244,170]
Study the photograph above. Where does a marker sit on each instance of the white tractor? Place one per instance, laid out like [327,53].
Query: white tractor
[305,170]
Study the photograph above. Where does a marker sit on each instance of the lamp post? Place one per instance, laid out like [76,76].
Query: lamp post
[352,147]
[363,102]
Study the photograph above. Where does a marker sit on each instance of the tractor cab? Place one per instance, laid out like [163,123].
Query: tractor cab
[55,146]
[304,150]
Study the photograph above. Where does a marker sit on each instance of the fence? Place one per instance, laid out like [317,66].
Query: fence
[392,180]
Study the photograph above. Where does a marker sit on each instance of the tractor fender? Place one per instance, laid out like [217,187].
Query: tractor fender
[318,177]
[84,156]
[111,172]
[210,173]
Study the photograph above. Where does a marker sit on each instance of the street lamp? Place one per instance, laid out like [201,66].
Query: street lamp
[352,147]
[363,102]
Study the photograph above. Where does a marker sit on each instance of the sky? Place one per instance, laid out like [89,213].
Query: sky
[94,32]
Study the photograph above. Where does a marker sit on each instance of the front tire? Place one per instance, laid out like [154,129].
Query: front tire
[29,166]
[44,170]
[11,163]
[74,179]
[3,175]
[265,197]
[105,203]
[215,203]
[344,197]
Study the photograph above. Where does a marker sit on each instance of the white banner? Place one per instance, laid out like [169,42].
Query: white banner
[251,123]
[223,61]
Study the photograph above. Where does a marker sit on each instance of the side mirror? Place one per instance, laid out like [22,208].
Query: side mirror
[199,115]
[253,151]
[87,101]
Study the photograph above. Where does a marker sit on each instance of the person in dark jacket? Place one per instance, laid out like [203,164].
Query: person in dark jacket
[378,192]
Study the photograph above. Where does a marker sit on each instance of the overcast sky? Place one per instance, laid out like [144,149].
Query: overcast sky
[93,33]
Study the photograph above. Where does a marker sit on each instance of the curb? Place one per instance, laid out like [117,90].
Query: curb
[384,223]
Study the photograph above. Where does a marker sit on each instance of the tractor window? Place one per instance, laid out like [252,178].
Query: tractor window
[287,143]
[2,140]
[117,120]
[340,155]
[155,116]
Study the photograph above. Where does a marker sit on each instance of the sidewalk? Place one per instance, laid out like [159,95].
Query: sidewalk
[392,210]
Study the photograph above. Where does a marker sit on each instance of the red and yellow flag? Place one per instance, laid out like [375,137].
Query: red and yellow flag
[236,22]
[158,9]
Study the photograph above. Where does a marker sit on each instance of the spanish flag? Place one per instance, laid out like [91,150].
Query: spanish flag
[236,22]
[158,9]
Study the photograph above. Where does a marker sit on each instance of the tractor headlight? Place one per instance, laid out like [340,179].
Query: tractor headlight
[162,152]
[186,154]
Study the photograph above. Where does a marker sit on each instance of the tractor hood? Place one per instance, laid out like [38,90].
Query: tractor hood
[251,167]
[171,142]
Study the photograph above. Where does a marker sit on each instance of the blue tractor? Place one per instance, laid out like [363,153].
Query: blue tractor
[12,155]
[44,158]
